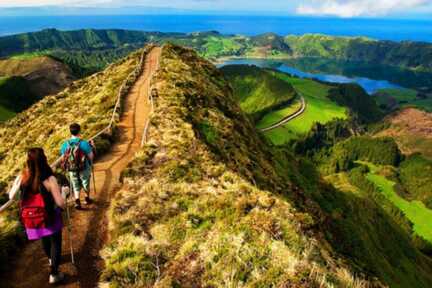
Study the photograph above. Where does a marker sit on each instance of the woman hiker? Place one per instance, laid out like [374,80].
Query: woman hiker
[41,204]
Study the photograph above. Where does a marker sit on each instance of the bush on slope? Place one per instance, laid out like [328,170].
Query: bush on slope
[196,209]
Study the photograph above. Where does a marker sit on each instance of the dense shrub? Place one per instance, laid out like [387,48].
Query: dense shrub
[380,151]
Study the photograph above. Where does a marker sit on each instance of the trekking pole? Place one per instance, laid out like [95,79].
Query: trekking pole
[69,224]
[94,180]
[70,232]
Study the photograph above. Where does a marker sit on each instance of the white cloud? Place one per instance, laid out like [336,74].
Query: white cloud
[353,8]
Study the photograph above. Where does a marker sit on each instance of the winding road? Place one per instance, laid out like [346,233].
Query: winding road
[30,268]
[288,118]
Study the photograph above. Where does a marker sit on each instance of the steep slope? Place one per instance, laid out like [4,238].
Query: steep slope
[89,101]
[44,74]
[207,203]
[257,90]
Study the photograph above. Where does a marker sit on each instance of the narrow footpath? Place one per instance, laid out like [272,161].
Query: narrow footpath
[30,269]
[288,118]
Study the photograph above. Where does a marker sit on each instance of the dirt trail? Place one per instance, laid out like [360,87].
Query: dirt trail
[90,225]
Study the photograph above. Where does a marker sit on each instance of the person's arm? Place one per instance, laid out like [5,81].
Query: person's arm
[13,193]
[87,148]
[52,186]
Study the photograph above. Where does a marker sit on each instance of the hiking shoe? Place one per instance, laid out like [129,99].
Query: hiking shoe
[77,204]
[57,278]
[87,200]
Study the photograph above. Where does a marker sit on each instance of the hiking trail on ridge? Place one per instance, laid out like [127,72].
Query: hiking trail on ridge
[89,226]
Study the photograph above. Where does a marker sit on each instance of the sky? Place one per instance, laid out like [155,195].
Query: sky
[337,8]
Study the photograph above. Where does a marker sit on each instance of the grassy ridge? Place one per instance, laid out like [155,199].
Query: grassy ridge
[190,223]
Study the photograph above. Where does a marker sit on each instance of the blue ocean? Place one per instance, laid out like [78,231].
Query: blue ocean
[384,29]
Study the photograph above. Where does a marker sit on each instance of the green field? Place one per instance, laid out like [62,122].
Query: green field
[415,211]
[273,117]
[319,108]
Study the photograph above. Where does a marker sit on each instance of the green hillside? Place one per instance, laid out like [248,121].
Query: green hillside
[257,90]
[320,108]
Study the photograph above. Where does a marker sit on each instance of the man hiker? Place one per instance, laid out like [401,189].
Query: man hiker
[77,161]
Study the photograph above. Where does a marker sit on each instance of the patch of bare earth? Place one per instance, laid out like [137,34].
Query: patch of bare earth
[412,130]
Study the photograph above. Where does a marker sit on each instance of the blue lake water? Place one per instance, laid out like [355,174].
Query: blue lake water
[415,30]
[370,85]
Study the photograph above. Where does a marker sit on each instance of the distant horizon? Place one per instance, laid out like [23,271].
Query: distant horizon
[397,9]
[375,28]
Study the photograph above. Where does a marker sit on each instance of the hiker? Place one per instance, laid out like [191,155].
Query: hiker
[77,160]
[41,204]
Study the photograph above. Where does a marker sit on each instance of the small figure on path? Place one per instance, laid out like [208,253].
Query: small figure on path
[77,161]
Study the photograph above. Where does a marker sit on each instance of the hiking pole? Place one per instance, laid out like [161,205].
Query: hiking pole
[94,180]
[69,225]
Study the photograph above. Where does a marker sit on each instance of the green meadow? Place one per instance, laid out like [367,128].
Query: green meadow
[319,108]
[415,210]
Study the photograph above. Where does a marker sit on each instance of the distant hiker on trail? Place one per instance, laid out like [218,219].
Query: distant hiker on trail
[41,204]
[77,160]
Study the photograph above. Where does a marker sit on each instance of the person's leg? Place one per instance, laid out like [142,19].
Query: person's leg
[46,245]
[74,177]
[56,245]
[85,177]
